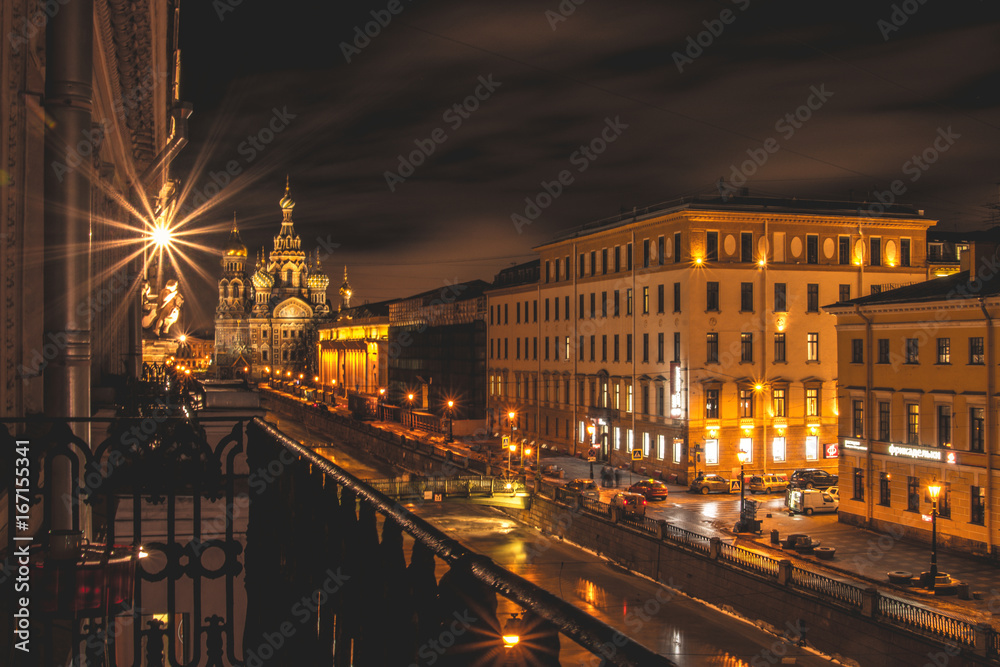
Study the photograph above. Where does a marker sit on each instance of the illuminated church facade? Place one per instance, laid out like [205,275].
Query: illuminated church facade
[267,317]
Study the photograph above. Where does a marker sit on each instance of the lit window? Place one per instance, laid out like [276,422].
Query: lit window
[712,452]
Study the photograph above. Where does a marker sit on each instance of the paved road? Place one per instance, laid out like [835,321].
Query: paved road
[687,631]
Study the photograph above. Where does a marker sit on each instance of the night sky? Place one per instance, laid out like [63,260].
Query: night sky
[849,93]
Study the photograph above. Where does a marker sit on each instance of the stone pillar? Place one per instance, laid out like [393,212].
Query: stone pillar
[984,632]
[784,572]
[869,602]
[714,547]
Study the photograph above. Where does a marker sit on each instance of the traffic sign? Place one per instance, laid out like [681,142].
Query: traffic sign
[505,440]
[636,454]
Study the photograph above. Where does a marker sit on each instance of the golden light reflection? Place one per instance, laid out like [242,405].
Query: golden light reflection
[591,593]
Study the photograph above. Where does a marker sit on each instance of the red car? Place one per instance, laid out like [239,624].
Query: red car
[650,489]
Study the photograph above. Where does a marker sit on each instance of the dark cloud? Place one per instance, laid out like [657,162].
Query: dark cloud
[894,87]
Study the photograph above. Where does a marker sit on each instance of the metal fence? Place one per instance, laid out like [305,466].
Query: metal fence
[838,590]
[749,559]
[687,538]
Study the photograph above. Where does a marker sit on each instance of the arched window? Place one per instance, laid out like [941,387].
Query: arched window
[236,290]
[288,276]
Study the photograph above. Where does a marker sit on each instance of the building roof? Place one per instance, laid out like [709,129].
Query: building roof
[470,289]
[525,273]
[368,310]
[955,286]
[745,203]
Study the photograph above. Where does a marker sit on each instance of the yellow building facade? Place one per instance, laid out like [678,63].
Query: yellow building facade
[352,352]
[918,378]
[688,332]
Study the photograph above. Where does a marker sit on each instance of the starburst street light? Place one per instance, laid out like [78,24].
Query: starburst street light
[161,236]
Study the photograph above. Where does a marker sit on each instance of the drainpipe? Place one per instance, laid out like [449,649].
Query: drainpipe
[869,371]
[69,105]
[990,420]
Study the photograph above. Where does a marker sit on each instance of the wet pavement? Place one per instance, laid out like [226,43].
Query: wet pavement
[666,621]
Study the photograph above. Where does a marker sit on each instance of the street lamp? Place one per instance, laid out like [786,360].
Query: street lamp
[451,406]
[510,451]
[934,488]
[409,408]
[381,398]
[590,431]
[742,456]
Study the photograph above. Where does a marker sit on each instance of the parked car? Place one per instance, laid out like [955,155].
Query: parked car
[709,483]
[631,505]
[813,478]
[807,501]
[835,492]
[650,489]
[767,483]
[582,487]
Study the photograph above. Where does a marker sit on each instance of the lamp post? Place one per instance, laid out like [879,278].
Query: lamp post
[742,456]
[409,408]
[381,397]
[590,431]
[451,407]
[934,488]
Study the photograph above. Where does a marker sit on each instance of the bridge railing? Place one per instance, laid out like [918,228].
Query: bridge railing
[321,523]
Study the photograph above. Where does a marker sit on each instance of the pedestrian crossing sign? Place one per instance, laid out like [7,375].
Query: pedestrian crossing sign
[636,454]
[505,440]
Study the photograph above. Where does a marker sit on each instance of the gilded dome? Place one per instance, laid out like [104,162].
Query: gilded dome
[286,202]
[234,246]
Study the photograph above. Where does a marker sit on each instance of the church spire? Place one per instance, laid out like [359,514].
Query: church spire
[345,292]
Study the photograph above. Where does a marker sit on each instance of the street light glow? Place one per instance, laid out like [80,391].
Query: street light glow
[934,488]
[161,236]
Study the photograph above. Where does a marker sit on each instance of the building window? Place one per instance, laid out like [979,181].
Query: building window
[876,251]
[677,347]
[780,298]
[517,312]
[944,425]
[844,250]
[677,297]
[812,447]
[779,347]
[858,418]
[845,293]
[976,426]
[593,346]
[677,247]
[883,421]
[604,261]
[944,350]
[812,346]
[746,247]
[944,501]
[711,404]
[746,347]
[618,258]
[582,312]
[661,447]
[912,351]
[746,402]
[659,348]
[604,304]
[812,402]
[812,249]
[628,301]
[883,351]
[661,251]
[580,346]
[645,253]
[660,298]
[616,303]
[548,271]
[746,297]
[712,452]
[857,351]
[976,351]
[628,348]
[555,305]
[645,348]
[712,246]
[859,484]
[547,310]
[778,449]
[618,437]
[517,354]
[912,424]
[712,345]
[645,300]
[884,491]
[593,305]
[912,494]
[977,495]
[628,401]
[778,398]
[812,298]
[617,340]
[712,296]
[645,399]
[904,252]
[678,450]
[660,402]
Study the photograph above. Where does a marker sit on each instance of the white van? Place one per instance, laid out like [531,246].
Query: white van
[807,501]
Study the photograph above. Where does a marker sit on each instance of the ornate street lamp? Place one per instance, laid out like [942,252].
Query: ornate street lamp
[934,489]
[451,407]
[409,408]
[742,456]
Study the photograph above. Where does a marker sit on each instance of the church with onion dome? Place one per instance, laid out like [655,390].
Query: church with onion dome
[268,314]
